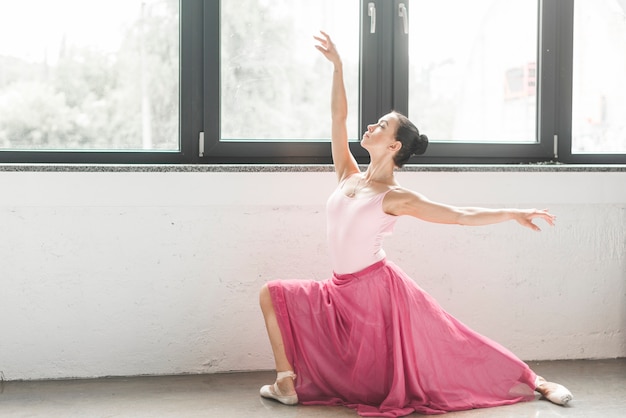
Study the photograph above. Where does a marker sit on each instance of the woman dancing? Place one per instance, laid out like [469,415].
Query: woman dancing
[369,338]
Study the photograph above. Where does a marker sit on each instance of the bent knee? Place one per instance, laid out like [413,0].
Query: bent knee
[265,299]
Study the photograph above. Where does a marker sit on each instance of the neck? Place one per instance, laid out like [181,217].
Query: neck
[382,172]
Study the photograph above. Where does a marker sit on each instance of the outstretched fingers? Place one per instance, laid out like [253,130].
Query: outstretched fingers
[326,46]
[527,219]
[546,216]
[324,39]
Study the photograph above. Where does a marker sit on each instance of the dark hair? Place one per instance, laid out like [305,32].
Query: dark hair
[413,143]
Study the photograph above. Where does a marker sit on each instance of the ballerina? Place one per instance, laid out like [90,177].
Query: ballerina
[369,337]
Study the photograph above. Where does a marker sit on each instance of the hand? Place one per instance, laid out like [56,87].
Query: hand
[525,218]
[327,48]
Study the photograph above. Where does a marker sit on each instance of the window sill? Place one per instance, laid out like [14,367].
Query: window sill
[298,168]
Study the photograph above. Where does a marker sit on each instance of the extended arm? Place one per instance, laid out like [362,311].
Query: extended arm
[344,161]
[405,202]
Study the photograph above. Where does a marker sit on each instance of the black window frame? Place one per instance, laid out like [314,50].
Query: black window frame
[384,64]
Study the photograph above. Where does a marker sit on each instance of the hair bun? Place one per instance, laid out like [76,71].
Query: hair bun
[422,144]
[412,142]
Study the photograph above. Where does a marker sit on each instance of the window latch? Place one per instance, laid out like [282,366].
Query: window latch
[201,144]
[371,12]
[556,146]
[405,17]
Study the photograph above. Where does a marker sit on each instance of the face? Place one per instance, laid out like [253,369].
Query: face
[382,135]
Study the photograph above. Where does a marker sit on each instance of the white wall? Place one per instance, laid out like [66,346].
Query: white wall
[129,273]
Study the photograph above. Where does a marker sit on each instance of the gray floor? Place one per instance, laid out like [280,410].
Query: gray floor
[599,389]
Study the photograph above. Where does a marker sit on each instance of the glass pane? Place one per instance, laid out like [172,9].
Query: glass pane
[275,84]
[89,75]
[599,85]
[472,69]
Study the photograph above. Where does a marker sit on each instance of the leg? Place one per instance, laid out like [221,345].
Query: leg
[273,331]
[285,385]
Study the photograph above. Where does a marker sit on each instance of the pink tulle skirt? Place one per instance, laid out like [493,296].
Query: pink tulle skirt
[376,342]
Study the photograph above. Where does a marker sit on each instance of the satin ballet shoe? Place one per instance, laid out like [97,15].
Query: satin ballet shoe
[273,392]
[555,393]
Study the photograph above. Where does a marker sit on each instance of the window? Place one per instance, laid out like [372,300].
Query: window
[273,83]
[419,66]
[599,102]
[210,81]
[93,76]
[472,73]
[267,89]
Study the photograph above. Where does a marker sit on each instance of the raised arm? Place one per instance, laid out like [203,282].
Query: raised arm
[405,202]
[345,164]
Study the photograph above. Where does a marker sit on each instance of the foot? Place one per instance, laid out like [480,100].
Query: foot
[553,392]
[283,390]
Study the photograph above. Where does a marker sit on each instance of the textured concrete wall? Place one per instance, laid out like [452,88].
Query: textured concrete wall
[158,273]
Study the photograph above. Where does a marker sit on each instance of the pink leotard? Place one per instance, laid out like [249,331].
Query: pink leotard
[356,229]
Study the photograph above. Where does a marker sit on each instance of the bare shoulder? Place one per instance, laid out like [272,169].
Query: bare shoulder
[399,194]
[399,199]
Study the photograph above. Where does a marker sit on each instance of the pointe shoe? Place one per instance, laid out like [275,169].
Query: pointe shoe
[273,392]
[555,393]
